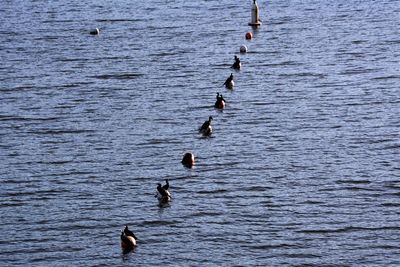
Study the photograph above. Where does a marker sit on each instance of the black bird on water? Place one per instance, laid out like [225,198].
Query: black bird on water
[166,186]
[163,194]
[128,239]
[237,64]
[206,128]
[229,83]
[128,232]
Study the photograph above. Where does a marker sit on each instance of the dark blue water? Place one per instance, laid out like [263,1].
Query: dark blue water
[302,168]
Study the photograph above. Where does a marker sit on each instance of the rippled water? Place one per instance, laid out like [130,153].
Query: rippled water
[302,168]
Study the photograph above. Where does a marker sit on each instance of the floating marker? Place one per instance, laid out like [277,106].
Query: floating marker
[255,19]
[94,31]
[243,49]
[248,35]
[188,160]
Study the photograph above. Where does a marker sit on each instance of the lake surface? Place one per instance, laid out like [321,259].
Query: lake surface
[302,168]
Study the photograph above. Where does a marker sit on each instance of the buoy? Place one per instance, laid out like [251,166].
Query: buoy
[243,49]
[219,104]
[248,35]
[188,160]
[255,19]
[94,31]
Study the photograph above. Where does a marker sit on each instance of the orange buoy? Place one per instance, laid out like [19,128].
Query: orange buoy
[220,104]
[188,160]
[248,35]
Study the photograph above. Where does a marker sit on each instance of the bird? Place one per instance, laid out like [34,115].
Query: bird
[229,83]
[237,64]
[220,103]
[166,186]
[128,239]
[163,194]
[128,232]
[206,128]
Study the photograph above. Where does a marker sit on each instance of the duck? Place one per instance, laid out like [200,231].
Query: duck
[220,103]
[166,186]
[229,83]
[163,194]
[206,128]
[237,64]
[128,239]
[188,160]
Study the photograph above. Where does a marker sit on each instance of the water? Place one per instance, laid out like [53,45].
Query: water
[302,168]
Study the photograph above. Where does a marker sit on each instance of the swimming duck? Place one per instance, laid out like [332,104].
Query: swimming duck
[128,239]
[206,128]
[220,103]
[188,160]
[166,186]
[163,194]
[229,83]
[237,64]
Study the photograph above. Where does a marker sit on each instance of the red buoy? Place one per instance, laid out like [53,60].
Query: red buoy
[248,35]
[188,160]
[220,104]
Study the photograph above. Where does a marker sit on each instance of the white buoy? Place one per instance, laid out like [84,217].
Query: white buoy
[94,31]
[243,49]
[255,18]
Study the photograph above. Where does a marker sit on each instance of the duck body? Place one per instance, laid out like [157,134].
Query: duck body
[229,83]
[128,239]
[163,194]
[220,103]
[206,128]
[237,65]
[207,132]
